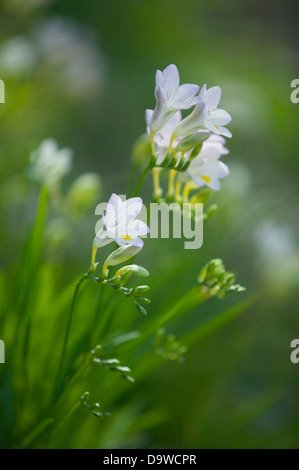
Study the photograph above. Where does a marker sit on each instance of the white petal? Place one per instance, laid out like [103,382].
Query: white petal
[122,242]
[193,122]
[160,116]
[215,139]
[214,169]
[219,117]
[114,209]
[202,92]
[148,116]
[132,208]
[163,136]
[102,239]
[212,97]
[136,228]
[172,77]
[185,92]
[134,241]
[211,127]
[225,132]
[137,242]
[215,184]
[159,79]
[192,101]
[210,152]
[197,179]
[173,121]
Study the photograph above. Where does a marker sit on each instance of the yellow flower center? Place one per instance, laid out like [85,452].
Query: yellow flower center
[207,179]
[126,237]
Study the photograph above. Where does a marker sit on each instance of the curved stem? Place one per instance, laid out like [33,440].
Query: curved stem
[152,137]
[67,332]
[140,182]
[93,256]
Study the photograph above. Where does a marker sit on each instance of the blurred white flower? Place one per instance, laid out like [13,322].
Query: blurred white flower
[18,56]
[171,96]
[163,136]
[206,115]
[72,53]
[205,168]
[48,163]
[28,5]
[274,239]
[119,223]
[278,255]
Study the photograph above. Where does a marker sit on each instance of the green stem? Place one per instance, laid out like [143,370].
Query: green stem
[140,182]
[97,310]
[67,332]
[67,416]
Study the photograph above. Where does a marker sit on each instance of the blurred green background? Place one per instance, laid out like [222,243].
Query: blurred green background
[83,73]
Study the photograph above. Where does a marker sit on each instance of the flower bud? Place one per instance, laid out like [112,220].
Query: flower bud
[216,281]
[202,196]
[140,290]
[210,211]
[192,141]
[141,151]
[121,255]
[133,269]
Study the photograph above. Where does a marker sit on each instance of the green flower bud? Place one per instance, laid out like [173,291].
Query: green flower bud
[210,211]
[121,255]
[131,269]
[192,141]
[140,290]
[195,152]
[216,281]
[202,196]
[141,151]
[141,309]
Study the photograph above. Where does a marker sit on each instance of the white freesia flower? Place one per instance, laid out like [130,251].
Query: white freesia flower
[206,115]
[120,224]
[205,168]
[171,96]
[163,136]
[48,163]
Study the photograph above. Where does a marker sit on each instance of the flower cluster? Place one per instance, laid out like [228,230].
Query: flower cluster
[192,145]
[190,149]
